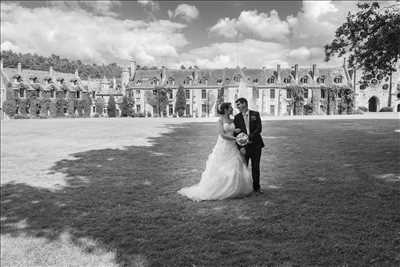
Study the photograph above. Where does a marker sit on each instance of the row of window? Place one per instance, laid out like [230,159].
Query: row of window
[256,93]
[271,80]
[21,93]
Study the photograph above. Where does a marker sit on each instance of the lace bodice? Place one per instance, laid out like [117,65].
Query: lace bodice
[229,127]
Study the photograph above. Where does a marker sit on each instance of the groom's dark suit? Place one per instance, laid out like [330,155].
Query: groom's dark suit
[253,149]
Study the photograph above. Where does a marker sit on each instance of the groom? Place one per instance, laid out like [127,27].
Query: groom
[249,122]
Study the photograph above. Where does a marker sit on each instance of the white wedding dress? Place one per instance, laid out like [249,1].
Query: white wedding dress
[226,174]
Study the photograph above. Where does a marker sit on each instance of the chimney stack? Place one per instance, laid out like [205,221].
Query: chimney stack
[314,71]
[19,69]
[163,74]
[51,71]
[278,72]
[133,69]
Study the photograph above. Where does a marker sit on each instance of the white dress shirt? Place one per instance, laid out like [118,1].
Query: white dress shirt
[246,117]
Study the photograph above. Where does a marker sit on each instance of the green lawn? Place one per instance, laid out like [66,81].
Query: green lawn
[332,198]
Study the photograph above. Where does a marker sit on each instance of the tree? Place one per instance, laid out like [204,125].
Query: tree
[127,106]
[111,107]
[36,62]
[296,94]
[183,67]
[371,39]
[99,104]
[180,104]
[158,99]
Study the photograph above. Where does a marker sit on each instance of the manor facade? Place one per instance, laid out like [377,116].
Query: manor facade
[265,88]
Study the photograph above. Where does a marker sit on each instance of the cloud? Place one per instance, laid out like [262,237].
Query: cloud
[184,11]
[150,3]
[99,7]
[252,23]
[248,52]
[79,34]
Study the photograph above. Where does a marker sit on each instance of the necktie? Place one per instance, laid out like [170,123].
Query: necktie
[246,121]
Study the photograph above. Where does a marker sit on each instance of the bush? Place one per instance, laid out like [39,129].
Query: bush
[139,115]
[180,104]
[10,107]
[386,109]
[111,107]
[364,109]
[33,107]
[127,107]
[71,104]
[20,116]
[99,104]
[308,109]
[53,109]
[44,106]
[358,111]
[96,115]
[23,106]
[60,105]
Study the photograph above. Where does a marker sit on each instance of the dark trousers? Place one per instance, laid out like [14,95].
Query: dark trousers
[254,154]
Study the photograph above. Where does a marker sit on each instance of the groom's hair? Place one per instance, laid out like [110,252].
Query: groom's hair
[241,100]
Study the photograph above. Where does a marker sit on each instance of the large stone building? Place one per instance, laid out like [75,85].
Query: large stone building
[265,88]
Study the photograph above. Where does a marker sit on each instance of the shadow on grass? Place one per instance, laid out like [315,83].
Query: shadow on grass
[327,200]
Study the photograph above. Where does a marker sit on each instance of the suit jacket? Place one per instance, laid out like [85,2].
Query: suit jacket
[255,128]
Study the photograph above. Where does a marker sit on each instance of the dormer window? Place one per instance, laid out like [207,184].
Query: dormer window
[78,94]
[17,78]
[338,79]
[171,81]
[304,79]
[219,81]
[287,80]
[21,92]
[188,81]
[236,78]
[52,92]
[321,79]
[38,92]
[255,80]
[271,79]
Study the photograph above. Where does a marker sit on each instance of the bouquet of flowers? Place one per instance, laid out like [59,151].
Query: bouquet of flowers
[242,139]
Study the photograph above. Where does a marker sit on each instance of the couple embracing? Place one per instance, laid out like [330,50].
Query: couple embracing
[227,174]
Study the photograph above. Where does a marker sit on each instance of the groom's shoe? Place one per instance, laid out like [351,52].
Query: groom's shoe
[258,192]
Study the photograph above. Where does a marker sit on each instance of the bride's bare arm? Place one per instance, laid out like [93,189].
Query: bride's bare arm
[222,132]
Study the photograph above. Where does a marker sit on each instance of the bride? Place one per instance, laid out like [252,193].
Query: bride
[226,174]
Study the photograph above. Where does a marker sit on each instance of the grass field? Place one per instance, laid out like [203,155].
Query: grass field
[332,197]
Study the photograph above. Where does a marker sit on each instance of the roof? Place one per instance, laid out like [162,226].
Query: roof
[40,74]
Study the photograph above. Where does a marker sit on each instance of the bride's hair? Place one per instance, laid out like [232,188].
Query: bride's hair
[223,107]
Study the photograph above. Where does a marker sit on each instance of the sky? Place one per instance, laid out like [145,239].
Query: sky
[208,34]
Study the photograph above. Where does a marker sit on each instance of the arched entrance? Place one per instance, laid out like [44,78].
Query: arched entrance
[373,104]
